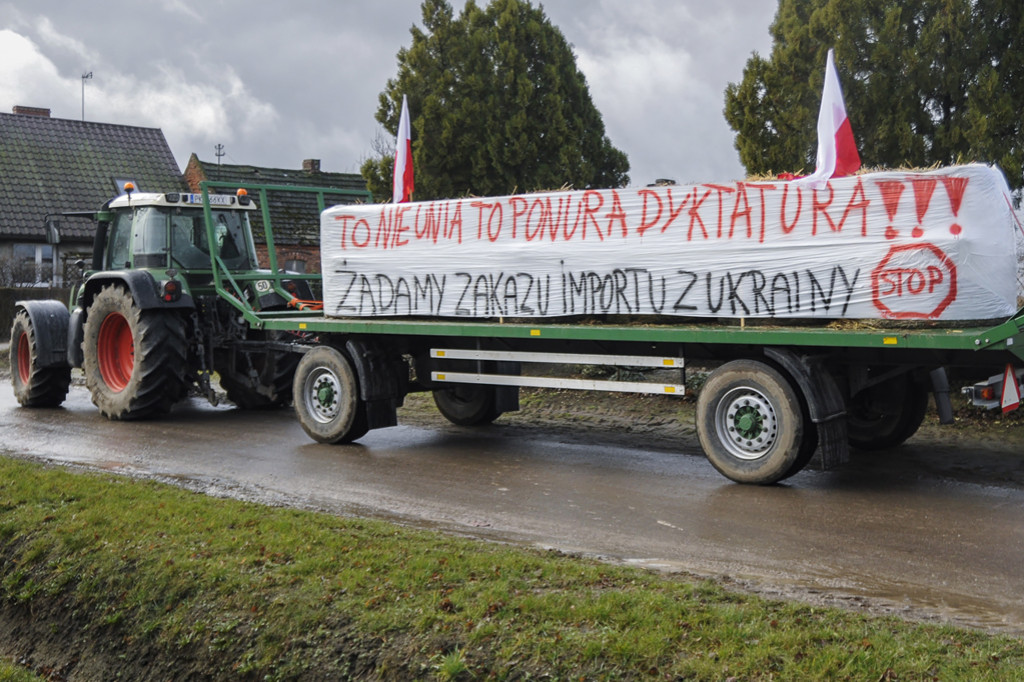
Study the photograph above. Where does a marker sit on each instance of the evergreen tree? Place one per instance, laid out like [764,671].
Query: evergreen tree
[497,106]
[926,82]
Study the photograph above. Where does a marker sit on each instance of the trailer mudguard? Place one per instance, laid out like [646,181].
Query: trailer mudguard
[50,325]
[824,402]
[940,390]
[383,381]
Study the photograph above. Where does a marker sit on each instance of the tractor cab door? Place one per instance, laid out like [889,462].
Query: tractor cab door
[119,242]
[138,238]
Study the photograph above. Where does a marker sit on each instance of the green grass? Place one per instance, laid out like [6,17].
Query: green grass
[269,593]
[12,673]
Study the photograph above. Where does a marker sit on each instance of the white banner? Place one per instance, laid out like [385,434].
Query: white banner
[895,245]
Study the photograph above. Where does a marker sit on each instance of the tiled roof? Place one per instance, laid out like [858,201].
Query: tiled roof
[294,215]
[49,165]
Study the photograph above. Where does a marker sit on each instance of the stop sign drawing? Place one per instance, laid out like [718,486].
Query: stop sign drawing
[913,282]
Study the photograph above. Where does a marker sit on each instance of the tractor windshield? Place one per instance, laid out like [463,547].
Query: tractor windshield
[190,244]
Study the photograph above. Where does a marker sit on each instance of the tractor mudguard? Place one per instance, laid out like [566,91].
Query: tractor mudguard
[140,283]
[50,324]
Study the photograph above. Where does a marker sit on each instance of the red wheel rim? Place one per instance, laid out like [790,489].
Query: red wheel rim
[24,359]
[115,352]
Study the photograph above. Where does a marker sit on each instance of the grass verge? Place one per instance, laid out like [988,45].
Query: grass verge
[157,582]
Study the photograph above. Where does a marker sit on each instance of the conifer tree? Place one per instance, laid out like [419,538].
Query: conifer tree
[497,106]
[926,82]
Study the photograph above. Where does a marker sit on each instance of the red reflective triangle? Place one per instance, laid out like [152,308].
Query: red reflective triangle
[1011,390]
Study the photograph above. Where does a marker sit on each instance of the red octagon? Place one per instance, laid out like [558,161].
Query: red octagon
[909,292]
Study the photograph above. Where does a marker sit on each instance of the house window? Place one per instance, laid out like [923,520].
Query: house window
[33,263]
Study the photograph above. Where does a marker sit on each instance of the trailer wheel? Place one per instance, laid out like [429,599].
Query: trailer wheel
[467,404]
[135,361]
[326,397]
[34,386]
[886,414]
[750,423]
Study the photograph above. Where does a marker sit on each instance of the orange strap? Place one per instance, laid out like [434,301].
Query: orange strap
[305,305]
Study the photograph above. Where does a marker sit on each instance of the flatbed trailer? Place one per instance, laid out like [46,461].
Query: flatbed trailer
[808,388]
[776,393]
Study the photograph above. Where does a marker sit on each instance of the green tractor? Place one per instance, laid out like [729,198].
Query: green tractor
[152,320]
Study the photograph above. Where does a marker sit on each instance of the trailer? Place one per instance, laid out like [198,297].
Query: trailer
[174,299]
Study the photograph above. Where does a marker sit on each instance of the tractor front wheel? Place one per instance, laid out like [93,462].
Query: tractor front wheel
[134,360]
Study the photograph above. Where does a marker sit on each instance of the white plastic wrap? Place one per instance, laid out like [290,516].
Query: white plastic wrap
[896,245]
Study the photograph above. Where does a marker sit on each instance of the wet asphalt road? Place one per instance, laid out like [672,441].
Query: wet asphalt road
[894,531]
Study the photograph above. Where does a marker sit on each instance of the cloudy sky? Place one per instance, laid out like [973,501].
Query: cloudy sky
[276,83]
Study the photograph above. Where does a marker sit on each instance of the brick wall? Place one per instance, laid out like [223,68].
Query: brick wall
[309,254]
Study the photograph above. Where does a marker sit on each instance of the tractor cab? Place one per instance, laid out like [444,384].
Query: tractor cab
[169,231]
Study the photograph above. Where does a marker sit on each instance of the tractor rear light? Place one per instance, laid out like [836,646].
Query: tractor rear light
[290,287]
[987,393]
[243,196]
[172,291]
[172,197]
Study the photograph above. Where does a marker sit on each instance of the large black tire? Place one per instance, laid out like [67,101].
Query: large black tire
[886,414]
[272,385]
[467,404]
[135,361]
[34,386]
[750,423]
[326,395]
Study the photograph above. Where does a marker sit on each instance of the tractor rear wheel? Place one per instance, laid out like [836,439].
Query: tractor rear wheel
[326,395]
[34,386]
[135,361]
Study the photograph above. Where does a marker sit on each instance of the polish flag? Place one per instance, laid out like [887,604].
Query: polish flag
[837,150]
[402,183]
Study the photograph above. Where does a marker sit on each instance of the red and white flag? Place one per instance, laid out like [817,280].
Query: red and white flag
[402,183]
[837,150]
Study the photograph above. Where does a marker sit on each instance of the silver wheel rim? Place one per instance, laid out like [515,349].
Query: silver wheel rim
[321,395]
[746,423]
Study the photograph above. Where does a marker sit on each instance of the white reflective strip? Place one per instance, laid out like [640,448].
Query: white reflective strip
[558,358]
[552,382]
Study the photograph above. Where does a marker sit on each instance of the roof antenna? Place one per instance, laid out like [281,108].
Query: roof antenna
[219,152]
[85,77]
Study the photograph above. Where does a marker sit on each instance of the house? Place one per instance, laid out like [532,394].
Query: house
[49,165]
[295,215]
